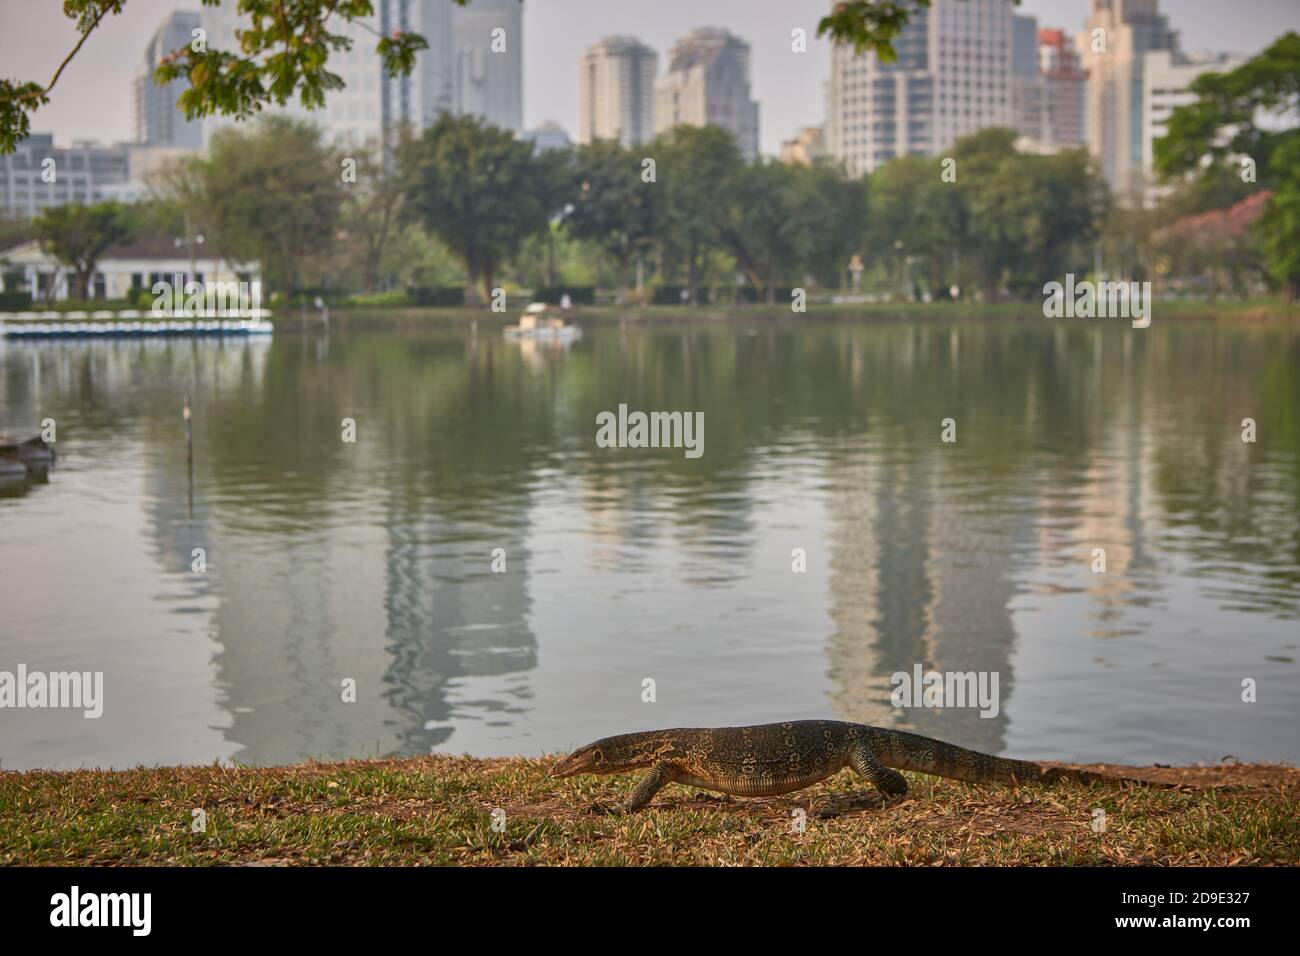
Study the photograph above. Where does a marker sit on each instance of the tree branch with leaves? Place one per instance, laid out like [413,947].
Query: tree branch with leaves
[286,46]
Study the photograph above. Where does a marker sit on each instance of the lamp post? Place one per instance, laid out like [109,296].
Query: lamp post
[189,245]
[905,273]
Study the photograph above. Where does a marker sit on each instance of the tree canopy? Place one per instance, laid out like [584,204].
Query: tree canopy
[78,235]
[1225,132]
[480,190]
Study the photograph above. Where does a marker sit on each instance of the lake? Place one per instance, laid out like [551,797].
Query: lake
[328,564]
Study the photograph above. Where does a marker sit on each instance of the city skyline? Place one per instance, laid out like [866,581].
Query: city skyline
[786,85]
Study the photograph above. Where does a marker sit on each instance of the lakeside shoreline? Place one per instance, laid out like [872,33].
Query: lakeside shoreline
[1272,309]
[1254,310]
[439,810]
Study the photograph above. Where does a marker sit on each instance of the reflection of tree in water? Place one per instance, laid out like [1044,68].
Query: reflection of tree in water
[1232,507]
[699,508]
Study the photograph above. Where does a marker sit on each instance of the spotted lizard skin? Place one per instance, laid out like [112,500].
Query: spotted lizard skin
[766,760]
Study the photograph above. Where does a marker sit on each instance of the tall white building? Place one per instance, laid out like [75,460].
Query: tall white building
[952,77]
[473,64]
[707,84]
[616,91]
[158,120]
[1113,48]
[489,62]
[1166,85]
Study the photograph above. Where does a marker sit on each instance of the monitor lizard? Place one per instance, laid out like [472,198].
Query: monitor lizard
[766,760]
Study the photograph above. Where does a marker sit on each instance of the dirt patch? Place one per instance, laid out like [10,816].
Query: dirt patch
[1203,776]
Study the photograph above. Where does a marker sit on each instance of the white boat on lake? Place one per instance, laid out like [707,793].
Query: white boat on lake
[542,322]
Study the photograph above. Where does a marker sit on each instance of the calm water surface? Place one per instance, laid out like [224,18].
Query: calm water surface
[373,560]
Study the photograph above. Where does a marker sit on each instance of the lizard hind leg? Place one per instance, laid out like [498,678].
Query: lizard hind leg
[660,775]
[864,763]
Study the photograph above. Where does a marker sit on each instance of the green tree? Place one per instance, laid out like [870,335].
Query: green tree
[838,208]
[612,206]
[1064,201]
[375,192]
[1222,129]
[560,190]
[273,193]
[988,176]
[479,189]
[1279,227]
[1026,218]
[769,225]
[695,167]
[78,235]
[916,213]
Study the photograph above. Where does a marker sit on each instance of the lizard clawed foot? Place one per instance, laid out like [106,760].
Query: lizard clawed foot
[606,809]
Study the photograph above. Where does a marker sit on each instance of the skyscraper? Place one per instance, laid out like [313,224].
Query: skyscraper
[616,91]
[158,120]
[419,98]
[707,84]
[952,77]
[488,75]
[1113,47]
[1028,88]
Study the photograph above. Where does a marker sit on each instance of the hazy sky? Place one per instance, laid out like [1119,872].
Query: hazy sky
[93,98]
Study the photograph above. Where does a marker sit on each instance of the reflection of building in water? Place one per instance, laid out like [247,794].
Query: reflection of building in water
[450,617]
[295,613]
[974,544]
[1114,498]
[917,576]
[861,684]
[614,527]
[299,615]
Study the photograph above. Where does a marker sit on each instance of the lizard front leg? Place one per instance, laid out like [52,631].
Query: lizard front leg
[864,763]
[660,775]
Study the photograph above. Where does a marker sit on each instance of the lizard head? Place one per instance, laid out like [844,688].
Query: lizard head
[617,754]
[588,759]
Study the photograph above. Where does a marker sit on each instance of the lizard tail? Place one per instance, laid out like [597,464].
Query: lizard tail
[904,751]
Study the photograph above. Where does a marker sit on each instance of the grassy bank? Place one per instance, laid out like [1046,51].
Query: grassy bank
[438,810]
